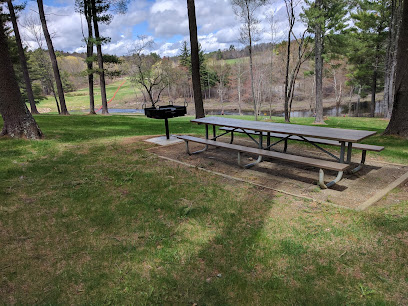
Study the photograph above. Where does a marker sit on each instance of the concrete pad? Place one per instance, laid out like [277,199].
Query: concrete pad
[163,141]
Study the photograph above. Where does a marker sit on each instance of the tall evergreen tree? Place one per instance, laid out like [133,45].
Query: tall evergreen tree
[85,8]
[369,39]
[208,78]
[23,61]
[17,120]
[324,18]
[98,9]
[57,76]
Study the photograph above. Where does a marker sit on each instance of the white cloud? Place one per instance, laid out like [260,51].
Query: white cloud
[164,20]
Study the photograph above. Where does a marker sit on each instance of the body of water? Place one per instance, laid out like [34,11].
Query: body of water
[363,111]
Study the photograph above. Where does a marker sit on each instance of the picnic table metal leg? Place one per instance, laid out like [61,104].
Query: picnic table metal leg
[321,179]
[248,165]
[199,151]
[232,137]
[349,150]
[260,146]
[342,151]
[196,152]
[340,173]
[214,133]
[362,162]
[268,141]
[285,147]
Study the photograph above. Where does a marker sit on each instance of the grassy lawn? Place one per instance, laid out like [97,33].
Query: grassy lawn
[88,216]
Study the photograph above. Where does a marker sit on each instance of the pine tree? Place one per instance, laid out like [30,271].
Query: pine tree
[64,110]
[369,45]
[18,121]
[22,58]
[325,19]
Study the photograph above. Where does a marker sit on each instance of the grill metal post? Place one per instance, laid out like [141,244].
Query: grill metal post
[166,123]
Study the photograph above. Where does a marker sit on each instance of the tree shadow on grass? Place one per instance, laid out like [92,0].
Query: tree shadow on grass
[112,233]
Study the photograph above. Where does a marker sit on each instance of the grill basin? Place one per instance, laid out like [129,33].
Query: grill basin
[165,112]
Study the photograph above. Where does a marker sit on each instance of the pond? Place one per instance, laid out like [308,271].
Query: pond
[364,111]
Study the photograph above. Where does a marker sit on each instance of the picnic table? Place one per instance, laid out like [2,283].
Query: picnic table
[315,135]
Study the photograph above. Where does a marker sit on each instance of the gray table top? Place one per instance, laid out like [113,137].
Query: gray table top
[346,135]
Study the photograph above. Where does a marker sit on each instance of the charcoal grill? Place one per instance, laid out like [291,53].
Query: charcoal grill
[165,112]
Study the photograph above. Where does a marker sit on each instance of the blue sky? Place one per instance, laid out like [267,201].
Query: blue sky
[164,21]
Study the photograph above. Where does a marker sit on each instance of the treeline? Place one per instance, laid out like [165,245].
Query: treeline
[347,49]
[358,60]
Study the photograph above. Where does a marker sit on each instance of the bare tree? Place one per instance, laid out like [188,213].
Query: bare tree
[54,63]
[223,71]
[239,77]
[147,71]
[23,61]
[337,84]
[18,122]
[245,10]
[302,56]
[272,24]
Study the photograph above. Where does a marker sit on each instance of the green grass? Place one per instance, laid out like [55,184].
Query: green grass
[79,99]
[89,217]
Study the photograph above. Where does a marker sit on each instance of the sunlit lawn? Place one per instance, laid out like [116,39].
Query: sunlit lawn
[79,99]
[88,216]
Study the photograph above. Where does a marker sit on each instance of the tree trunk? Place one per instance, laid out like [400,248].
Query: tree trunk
[391,57]
[399,119]
[18,122]
[64,110]
[374,82]
[251,67]
[195,60]
[286,106]
[358,102]
[89,55]
[239,89]
[319,70]
[101,71]
[23,60]
[56,101]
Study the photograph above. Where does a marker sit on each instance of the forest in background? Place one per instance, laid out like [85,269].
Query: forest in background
[358,63]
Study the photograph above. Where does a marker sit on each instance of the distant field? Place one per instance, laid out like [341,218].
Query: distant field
[79,100]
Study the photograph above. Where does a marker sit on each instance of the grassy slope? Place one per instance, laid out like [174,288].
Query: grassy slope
[83,219]
[79,100]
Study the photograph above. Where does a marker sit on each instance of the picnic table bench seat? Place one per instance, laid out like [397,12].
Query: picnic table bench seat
[318,163]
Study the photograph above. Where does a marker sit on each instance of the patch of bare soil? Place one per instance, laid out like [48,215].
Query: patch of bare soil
[350,192]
